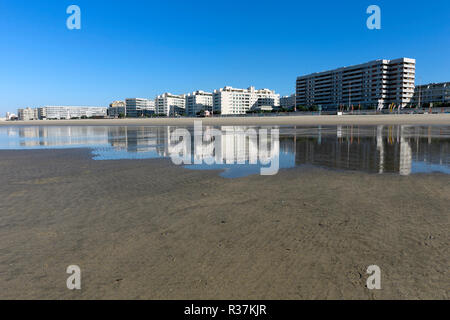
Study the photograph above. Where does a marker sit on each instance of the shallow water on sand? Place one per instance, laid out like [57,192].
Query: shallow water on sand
[398,149]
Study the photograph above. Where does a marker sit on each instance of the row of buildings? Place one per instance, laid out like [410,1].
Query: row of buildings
[61,113]
[225,101]
[376,84]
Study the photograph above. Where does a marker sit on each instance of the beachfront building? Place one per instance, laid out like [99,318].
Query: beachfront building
[168,104]
[71,112]
[42,113]
[11,116]
[197,102]
[139,107]
[229,101]
[117,109]
[375,84]
[27,114]
[432,94]
[287,102]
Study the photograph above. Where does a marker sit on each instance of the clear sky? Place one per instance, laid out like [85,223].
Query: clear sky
[143,48]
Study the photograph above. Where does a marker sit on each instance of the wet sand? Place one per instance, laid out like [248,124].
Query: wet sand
[144,229]
[430,119]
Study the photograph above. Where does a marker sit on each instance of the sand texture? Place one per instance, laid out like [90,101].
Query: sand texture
[145,229]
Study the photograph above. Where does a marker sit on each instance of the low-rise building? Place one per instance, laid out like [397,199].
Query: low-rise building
[117,109]
[27,114]
[71,112]
[287,102]
[198,102]
[11,116]
[432,93]
[170,105]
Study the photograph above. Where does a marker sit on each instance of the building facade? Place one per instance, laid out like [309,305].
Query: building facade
[117,109]
[229,101]
[197,102]
[27,114]
[375,84]
[71,112]
[433,93]
[287,102]
[11,116]
[139,107]
[170,105]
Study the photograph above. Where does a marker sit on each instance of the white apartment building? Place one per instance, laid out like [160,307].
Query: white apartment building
[27,114]
[377,83]
[137,107]
[230,100]
[432,93]
[71,112]
[170,104]
[198,101]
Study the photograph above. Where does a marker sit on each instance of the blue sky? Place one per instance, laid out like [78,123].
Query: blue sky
[143,48]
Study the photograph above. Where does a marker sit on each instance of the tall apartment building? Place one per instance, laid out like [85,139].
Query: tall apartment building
[170,104]
[198,101]
[70,112]
[377,83]
[27,114]
[432,93]
[230,100]
[138,107]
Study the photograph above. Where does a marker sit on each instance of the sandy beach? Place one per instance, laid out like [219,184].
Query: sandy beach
[280,120]
[144,229]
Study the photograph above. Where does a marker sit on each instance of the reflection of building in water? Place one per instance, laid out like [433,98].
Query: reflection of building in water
[133,139]
[382,149]
[59,136]
[227,145]
[375,149]
[405,156]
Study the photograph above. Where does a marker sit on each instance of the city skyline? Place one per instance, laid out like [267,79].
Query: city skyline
[119,54]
